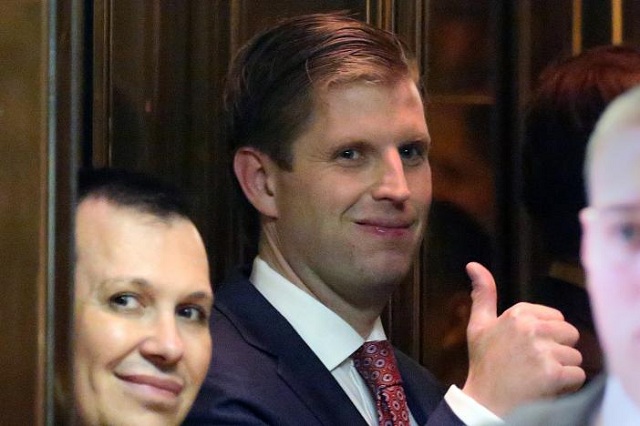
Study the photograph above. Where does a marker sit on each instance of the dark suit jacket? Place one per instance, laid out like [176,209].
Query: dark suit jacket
[578,409]
[263,373]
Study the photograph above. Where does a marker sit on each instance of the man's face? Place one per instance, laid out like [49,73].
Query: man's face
[142,302]
[352,211]
[611,253]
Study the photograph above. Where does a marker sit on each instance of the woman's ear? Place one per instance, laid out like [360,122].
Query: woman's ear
[255,172]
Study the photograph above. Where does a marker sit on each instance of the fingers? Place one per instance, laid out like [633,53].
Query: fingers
[567,356]
[541,321]
[539,311]
[564,372]
[559,331]
[484,296]
[573,377]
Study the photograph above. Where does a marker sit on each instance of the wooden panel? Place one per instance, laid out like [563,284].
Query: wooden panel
[251,16]
[41,90]
[631,22]
[22,210]
[596,23]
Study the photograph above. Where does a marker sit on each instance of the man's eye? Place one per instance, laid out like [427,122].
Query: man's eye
[193,313]
[412,154]
[629,232]
[349,154]
[124,301]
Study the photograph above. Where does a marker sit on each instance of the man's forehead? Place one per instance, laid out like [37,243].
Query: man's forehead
[94,204]
[101,225]
[100,208]
[615,171]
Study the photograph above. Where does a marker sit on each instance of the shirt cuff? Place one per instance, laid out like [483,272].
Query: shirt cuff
[469,410]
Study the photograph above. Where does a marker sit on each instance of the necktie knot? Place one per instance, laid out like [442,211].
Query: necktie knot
[376,363]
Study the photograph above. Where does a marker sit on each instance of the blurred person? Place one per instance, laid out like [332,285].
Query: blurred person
[571,95]
[142,302]
[610,253]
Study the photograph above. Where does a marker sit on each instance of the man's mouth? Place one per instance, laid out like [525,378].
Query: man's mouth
[170,386]
[387,227]
[386,223]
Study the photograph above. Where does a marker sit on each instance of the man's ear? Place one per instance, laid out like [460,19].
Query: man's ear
[255,172]
[585,236]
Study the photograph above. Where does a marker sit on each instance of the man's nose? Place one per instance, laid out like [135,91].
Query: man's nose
[391,181]
[163,344]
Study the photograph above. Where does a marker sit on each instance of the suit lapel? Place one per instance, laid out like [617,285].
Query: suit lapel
[264,328]
[423,391]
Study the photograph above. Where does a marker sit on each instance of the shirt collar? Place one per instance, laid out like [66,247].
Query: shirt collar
[617,407]
[330,337]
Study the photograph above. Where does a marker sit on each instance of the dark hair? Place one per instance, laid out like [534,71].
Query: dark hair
[570,97]
[131,189]
[272,82]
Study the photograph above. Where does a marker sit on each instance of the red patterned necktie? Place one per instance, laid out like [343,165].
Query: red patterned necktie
[376,363]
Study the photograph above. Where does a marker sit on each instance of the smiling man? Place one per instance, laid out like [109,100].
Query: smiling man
[331,150]
[142,303]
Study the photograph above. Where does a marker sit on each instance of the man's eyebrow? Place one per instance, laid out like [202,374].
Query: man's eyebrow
[417,136]
[144,284]
[201,295]
[424,138]
[138,282]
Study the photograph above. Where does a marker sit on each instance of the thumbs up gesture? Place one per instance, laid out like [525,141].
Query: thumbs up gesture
[524,354]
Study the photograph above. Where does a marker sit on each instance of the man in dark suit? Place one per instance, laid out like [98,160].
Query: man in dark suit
[331,149]
[610,253]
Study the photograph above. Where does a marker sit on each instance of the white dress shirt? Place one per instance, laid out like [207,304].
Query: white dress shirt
[618,409]
[333,340]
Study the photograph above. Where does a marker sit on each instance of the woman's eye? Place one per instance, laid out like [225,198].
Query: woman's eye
[125,301]
[193,313]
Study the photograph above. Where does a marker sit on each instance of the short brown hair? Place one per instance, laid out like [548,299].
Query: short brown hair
[272,81]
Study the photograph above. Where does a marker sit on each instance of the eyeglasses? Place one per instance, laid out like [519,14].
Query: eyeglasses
[617,227]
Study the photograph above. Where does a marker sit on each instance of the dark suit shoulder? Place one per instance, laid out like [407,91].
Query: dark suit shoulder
[262,372]
[243,382]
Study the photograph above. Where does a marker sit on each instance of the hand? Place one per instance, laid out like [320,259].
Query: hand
[524,354]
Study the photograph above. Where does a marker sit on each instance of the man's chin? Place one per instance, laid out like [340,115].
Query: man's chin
[390,273]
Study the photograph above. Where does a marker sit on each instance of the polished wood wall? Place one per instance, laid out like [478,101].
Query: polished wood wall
[158,72]
[42,125]
[22,208]
[138,85]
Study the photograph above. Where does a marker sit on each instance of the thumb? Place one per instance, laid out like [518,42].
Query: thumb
[483,295]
